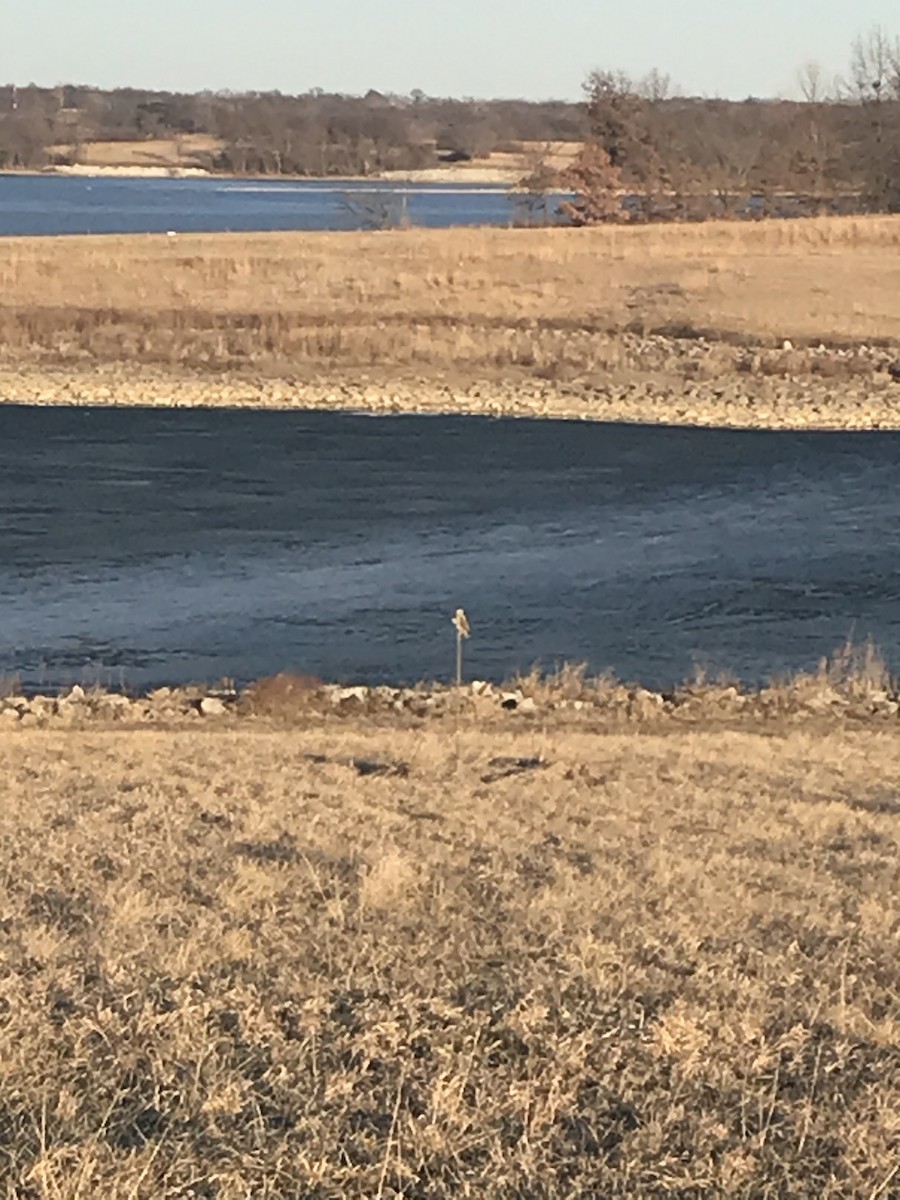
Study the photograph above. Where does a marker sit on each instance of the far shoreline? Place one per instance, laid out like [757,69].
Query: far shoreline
[487,177]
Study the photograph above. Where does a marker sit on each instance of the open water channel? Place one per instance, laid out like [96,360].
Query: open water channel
[162,546]
[55,204]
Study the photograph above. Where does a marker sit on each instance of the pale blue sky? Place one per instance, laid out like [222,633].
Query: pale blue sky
[532,48]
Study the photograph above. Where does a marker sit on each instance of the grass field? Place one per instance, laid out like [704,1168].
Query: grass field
[443,303]
[189,150]
[353,961]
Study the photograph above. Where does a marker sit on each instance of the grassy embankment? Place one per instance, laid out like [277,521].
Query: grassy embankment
[343,960]
[565,308]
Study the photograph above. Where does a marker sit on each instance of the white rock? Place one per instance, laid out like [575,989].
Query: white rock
[643,703]
[823,701]
[528,705]
[114,706]
[212,706]
[76,695]
[360,694]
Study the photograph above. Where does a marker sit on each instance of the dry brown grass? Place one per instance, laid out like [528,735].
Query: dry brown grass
[188,150]
[441,302]
[536,964]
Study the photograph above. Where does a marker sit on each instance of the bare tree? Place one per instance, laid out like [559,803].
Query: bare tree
[812,86]
[532,196]
[376,210]
[874,87]
[655,86]
[875,66]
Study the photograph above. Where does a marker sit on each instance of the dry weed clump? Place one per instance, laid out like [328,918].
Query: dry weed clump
[568,682]
[858,667]
[284,697]
[238,963]
[856,674]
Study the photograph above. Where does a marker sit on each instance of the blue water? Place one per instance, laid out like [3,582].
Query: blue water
[45,204]
[164,546]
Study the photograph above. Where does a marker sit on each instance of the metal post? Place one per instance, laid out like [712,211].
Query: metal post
[460,623]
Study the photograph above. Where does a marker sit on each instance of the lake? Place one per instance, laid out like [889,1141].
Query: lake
[143,546]
[57,204]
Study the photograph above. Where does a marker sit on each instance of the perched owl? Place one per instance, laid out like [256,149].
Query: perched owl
[461,622]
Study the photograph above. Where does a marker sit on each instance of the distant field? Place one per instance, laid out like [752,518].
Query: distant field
[198,150]
[457,303]
[359,962]
[189,150]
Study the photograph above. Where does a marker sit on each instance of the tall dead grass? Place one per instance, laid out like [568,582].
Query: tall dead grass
[439,299]
[246,963]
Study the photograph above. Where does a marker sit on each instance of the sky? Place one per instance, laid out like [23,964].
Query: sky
[537,49]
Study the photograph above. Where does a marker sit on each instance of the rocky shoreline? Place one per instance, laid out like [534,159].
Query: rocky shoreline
[686,382]
[287,699]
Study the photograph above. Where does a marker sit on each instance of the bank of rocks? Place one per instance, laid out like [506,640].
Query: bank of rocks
[588,702]
[661,379]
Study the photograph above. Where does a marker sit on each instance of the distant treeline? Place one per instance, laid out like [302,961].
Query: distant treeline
[838,147]
[685,159]
[316,134]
